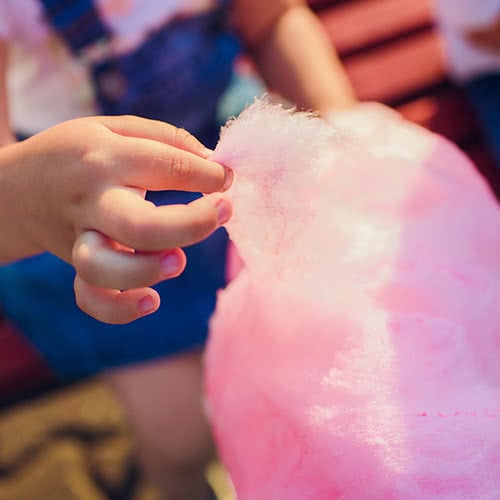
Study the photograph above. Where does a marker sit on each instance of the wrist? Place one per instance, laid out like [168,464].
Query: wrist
[17,213]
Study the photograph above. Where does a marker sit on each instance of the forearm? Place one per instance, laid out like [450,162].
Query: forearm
[13,243]
[15,240]
[6,136]
[487,38]
[297,60]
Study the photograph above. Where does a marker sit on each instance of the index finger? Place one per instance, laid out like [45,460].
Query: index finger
[155,166]
[155,130]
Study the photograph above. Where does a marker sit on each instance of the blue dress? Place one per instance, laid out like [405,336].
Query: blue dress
[177,75]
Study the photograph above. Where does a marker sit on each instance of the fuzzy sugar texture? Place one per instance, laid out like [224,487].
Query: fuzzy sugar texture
[356,354]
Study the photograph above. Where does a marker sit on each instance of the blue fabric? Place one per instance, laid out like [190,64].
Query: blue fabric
[177,75]
[484,93]
[38,295]
[78,23]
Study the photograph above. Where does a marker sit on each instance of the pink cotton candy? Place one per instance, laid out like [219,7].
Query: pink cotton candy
[357,354]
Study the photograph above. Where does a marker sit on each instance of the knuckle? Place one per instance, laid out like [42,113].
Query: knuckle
[96,153]
[106,313]
[183,137]
[84,266]
[130,228]
[136,230]
[94,163]
[83,258]
[180,165]
[202,223]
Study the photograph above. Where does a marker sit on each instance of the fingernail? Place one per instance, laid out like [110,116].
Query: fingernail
[146,305]
[224,211]
[208,152]
[170,264]
[229,179]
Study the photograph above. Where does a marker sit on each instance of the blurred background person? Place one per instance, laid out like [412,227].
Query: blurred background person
[471,34]
[171,61]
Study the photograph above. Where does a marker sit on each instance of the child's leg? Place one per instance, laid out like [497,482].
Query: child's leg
[163,402]
[484,93]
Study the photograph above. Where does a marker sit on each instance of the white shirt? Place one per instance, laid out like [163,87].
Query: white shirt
[455,18]
[46,85]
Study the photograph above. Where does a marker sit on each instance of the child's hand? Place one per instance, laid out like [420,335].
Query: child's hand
[77,190]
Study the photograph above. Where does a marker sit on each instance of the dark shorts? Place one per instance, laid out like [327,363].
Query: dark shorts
[484,93]
[37,294]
